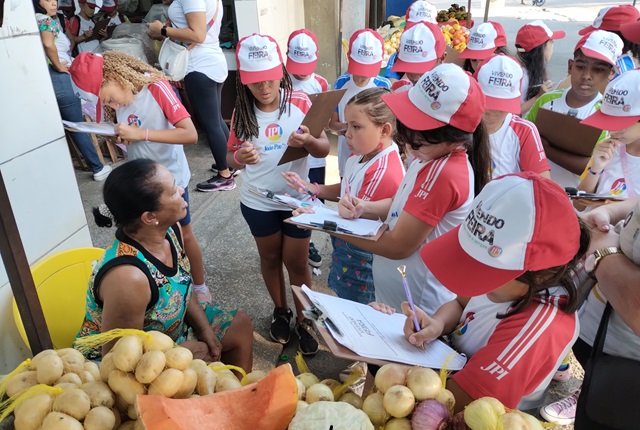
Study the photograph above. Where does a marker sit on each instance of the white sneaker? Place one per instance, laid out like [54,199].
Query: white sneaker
[563,411]
[102,174]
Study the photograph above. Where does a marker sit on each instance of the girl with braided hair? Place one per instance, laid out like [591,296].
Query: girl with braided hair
[150,120]
[266,121]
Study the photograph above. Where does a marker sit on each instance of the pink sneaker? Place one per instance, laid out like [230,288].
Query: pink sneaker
[562,375]
[563,411]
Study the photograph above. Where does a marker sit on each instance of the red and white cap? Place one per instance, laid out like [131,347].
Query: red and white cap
[535,34]
[95,3]
[66,5]
[610,18]
[631,31]
[519,222]
[366,49]
[420,11]
[601,45]
[302,52]
[420,48]
[500,78]
[620,106]
[445,95]
[483,41]
[109,6]
[86,72]
[259,59]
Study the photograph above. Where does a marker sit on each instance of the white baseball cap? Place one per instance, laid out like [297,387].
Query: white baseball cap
[630,235]
[601,45]
[302,52]
[483,40]
[445,95]
[259,59]
[518,222]
[500,78]
[620,106]
[420,11]
[366,49]
[420,48]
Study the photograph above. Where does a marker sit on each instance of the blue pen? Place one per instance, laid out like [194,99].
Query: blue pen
[407,291]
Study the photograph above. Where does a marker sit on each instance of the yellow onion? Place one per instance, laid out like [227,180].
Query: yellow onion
[534,424]
[481,415]
[308,379]
[390,375]
[399,401]
[319,392]
[512,421]
[301,389]
[398,424]
[373,406]
[424,383]
[446,398]
[495,404]
[430,415]
[352,398]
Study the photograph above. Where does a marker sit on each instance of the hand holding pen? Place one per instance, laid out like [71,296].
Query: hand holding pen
[430,328]
[294,181]
[300,137]
[247,154]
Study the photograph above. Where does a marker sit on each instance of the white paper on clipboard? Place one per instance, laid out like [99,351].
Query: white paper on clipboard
[102,128]
[372,334]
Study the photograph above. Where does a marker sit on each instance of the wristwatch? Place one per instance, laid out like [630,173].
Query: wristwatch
[163,31]
[593,259]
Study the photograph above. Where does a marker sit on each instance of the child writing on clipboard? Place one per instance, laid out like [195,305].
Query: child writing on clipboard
[373,172]
[266,121]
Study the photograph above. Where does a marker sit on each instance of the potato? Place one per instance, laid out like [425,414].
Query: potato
[167,383]
[198,364]
[116,413]
[71,378]
[132,412]
[150,366]
[121,405]
[86,376]
[100,418]
[106,366]
[94,369]
[36,359]
[226,383]
[50,369]
[99,394]
[157,341]
[179,357]
[255,376]
[65,386]
[127,425]
[60,421]
[126,385]
[72,360]
[189,383]
[138,425]
[21,381]
[75,403]
[206,381]
[30,414]
[127,352]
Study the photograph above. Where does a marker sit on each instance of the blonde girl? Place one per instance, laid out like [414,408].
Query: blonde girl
[266,121]
[150,119]
[373,172]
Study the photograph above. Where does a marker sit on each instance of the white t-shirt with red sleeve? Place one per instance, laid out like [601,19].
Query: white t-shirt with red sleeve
[273,134]
[517,147]
[156,107]
[376,179]
[513,359]
[439,193]
[616,181]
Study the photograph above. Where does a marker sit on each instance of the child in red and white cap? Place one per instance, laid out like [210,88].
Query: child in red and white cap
[534,44]
[81,28]
[266,121]
[418,11]
[422,47]
[485,40]
[440,120]
[593,64]
[109,9]
[302,59]
[515,142]
[366,49]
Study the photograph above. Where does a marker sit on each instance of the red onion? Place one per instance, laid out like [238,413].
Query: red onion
[430,415]
[457,423]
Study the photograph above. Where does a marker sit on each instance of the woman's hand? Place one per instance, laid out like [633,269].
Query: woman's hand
[214,346]
[63,67]
[295,181]
[603,153]
[154,29]
[247,154]
[430,329]
[300,137]
[127,134]
[303,210]
[350,207]
[200,350]
[381,307]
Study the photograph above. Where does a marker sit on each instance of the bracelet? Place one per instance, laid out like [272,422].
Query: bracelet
[595,173]
[317,193]
[235,158]
[146,134]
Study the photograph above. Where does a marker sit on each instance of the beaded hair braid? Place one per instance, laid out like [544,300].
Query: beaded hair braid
[245,124]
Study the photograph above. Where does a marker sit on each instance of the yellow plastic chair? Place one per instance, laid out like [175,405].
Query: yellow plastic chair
[61,282]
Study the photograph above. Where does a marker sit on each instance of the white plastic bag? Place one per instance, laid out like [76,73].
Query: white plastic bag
[128,45]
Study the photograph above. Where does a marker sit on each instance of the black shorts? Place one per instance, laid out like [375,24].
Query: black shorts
[266,223]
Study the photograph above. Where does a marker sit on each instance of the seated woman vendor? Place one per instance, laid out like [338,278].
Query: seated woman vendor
[143,280]
[514,316]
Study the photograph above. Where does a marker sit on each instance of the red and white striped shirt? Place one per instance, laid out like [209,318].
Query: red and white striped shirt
[377,178]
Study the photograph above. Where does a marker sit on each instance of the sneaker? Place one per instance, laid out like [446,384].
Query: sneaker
[234,172]
[307,339]
[563,411]
[217,183]
[203,294]
[102,174]
[315,259]
[281,325]
[562,375]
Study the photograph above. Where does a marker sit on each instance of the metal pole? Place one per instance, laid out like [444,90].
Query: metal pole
[486,11]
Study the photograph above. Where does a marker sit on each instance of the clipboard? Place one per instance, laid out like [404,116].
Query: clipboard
[101,128]
[100,25]
[575,194]
[322,106]
[330,230]
[566,132]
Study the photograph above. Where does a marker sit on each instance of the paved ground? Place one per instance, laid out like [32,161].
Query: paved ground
[230,255]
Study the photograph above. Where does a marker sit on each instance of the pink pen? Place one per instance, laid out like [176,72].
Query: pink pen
[407,291]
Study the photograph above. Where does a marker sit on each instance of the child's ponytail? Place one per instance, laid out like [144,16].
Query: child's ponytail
[480,157]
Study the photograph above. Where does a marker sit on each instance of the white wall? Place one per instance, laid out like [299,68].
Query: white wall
[34,160]
[352,19]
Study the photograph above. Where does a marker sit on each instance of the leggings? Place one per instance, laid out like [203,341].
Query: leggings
[205,97]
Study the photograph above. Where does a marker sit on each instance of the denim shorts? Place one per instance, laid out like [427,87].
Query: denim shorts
[187,218]
[266,223]
[351,275]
